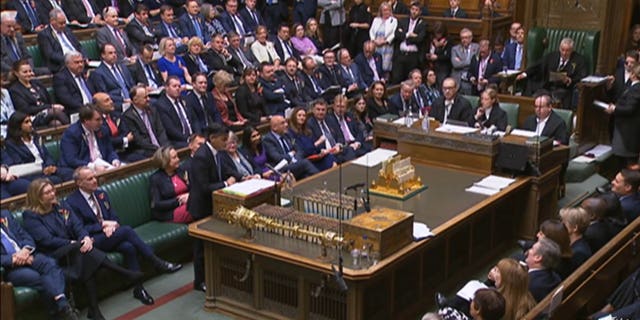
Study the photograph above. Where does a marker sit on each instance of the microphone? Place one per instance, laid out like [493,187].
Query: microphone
[337,275]
[507,131]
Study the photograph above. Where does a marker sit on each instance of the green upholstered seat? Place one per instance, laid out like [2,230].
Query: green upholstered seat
[512,110]
[36,56]
[90,46]
[130,198]
[52,94]
[567,116]
[585,42]
[53,147]
[473,100]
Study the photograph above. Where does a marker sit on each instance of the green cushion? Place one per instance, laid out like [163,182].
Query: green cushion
[130,199]
[579,171]
[473,100]
[512,110]
[162,236]
[53,147]
[567,116]
[585,42]
[52,94]
[90,46]
[36,56]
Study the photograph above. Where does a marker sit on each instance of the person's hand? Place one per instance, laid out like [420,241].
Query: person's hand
[432,56]
[352,87]
[129,136]
[108,232]
[99,169]
[610,109]
[610,80]
[231,181]
[87,245]
[521,76]
[116,163]
[267,174]
[57,107]
[566,80]
[411,35]
[49,170]
[39,28]
[320,140]
[480,113]
[183,198]
[355,145]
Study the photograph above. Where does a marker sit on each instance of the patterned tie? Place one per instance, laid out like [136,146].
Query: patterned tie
[285,146]
[203,101]
[315,85]
[152,136]
[65,42]
[93,203]
[345,130]
[120,79]
[91,142]
[186,128]
[518,57]
[150,76]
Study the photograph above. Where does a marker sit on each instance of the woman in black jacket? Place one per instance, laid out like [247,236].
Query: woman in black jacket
[169,188]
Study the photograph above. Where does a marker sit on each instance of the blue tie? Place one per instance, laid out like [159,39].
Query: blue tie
[31,14]
[84,87]
[518,61]
[6,243]
[123,86]
[14,53]
[196,26]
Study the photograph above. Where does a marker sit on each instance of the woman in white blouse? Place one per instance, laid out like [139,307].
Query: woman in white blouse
[263,50]
[382,32]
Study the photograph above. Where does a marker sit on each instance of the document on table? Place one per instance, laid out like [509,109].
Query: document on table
[469,290]
[421,231]
[375,157]
[523,133]
[248,187]
[481,190]
[450,128]
[490,185]
[599,150]
[403,121]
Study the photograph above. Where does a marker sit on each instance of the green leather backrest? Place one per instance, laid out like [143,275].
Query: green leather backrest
[472,99]
[567,116]
[90,46]
[512,110]
[53,147]
[130,198]
[52,94]
[36,56]
[585,42]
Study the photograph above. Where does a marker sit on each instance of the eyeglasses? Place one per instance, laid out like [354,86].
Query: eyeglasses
[448,88]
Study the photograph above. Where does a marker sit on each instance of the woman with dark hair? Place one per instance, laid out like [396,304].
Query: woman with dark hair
[31,97]
[169,188]
[249,98]
[431,83]
[25,146]
[254,152]
[439,54]
[363,122]
[321,158]
[59,233]
[377,102]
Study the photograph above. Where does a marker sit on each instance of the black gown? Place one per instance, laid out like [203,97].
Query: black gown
[357,36]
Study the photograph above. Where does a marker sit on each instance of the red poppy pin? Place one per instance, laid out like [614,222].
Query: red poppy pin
[101,196]
[5,222]
[490,60]
[348,119]
[65,214]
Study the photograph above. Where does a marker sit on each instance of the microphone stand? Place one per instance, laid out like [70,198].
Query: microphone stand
[338,274]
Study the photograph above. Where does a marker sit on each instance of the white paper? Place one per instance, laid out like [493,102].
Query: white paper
[599,150]
[248,187]
[494,182]
[101,163]
[25,169]
[375,157]
[402,121]
[450,128]
[421,231]
[469,290]
[600,104]
[523,133]
[583,159]
[593,79]
[94,64]
[481,190]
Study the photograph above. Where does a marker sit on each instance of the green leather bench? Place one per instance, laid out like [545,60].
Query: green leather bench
[130,198]
[90,47]
[585,42]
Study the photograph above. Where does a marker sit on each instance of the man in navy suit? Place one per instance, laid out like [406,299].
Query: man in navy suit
[76,10]
[70,84]
[27,15]
[279,147]
[84,143]
[231,20]
[621,81]
[454,10]
[56,40]
[369,63]
[329,72]
[484,67]
[144,71]
[313,88]
[121,137]
[209,172]
[410,41]
[451,106]
[343,120]
[112,77]
[303,10]
[168,28]
[251,16]
[191,22]
[200,104]
[273,91]
[282,43]
[14,45]
[625,185]
[335,141]
[144,123]
[293,84]
[545,122]
[403,102]
[139,29]
[93,208]
[173,113]
[540,259]
[25,267]
[513,55]
[351,79]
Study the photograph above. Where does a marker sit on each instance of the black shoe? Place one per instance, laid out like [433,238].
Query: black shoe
[67,313]
[141,294]
[168,267]
[200,287]
[95,314]
[441,300]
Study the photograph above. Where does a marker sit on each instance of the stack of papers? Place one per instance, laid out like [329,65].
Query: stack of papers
[450,128]
[593,79]
[375,157]
[421,231]
[469,290]
[248,187]
[523,133]
[490,185]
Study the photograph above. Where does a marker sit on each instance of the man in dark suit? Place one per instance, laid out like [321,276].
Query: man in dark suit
[410,38]
[139,30]
[513,54]
[251,16]
[200,104]
[144,71]
[343,120]
[540,259]
[484,67]
[625,185]
[293,83]
[398,7]
[78,11]
[13,45]
[598,232]
[70,84]
[220,58]
[369,63]
[282,43]
[329,73]
[112,77]
[84,143]
[303,10]
[144,123]
[351,78]
[25,267]
[173,113]
[244,59]
[558,72]
[191,22]
[451,106]
[231,20]
[209,172]
[273,91]
[626,130]
[279,147]
[102,223]
[313,88]
[403,103]
[116,129]
[27,15]
[621,80]
[56,40]
[335,141]
[545,122]
[454,10]
[168,28]
[110,33]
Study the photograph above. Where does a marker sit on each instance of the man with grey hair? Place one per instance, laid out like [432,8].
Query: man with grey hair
[403,102]
[558,72]
[13,45]
[541,259]
[461,60]
[70,83]
[56,40]
[351,77]
[110,33]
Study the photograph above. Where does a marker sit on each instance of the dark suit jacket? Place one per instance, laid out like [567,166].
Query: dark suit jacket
[75,150]
[581,252]
[52,50]
[274,102]
[293,93]
[251,105]
[68,92]
[20,153]
[459,14]
[575,68]
[22,18]
[83,210]
[104,36]
[308,91]
[51,231]
[171,121]
[509,56]
[328,78]
[334,128]
[400,8]
[630,206]
[117,140]
[75,10]
[494,66]
[163,196]
[332,121]
[365,71]
[24,100]
[17,234]
[187,28]
[627,118]
[250,25]
[498,118]
[420,30]
[139,76]
[396,106]
[161,31]
[137,36]
[217,62]
[103,80]
[228,25]
[199,114]
[207,175]
[280,49]
[554,128]
[347,79]
[275,153]
[460,110]
[7,57]
[247,54]
[597,235]
[192,63]
[142,142]
[541,282]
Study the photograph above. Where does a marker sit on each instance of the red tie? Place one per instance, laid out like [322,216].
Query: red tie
[112,126]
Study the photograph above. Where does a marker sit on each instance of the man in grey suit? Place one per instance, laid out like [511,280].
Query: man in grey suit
[461,59]
[244,58]
[144,123]
[13,45]
[110,33]
[332,19]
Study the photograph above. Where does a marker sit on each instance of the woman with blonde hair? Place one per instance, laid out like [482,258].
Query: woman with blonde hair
[488,112]
[231,116]
[171,64]
[382,33]
[512,281]
[576,220]
[312,31]
[169,188]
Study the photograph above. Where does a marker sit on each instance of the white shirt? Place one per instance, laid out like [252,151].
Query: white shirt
[34,150]
[541,124]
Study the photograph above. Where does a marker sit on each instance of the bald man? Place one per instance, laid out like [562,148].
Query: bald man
[117,129]
[280,147]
